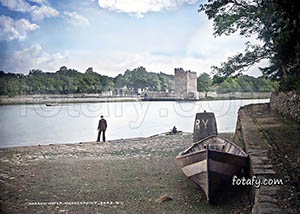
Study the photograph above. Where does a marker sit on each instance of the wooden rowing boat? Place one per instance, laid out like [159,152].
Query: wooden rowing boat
[212,161]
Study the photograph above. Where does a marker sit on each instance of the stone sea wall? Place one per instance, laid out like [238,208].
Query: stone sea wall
[287,104]
[68,98]
[95,98]
[235,95]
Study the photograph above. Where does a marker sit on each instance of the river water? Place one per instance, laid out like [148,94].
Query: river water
[24,125]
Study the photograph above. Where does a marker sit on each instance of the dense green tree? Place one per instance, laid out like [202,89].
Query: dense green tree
[204,82]
[140,78]
[276,23]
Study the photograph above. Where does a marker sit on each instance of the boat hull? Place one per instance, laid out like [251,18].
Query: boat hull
[210,168]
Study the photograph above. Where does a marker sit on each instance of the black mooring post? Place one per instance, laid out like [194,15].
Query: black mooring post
[205,125]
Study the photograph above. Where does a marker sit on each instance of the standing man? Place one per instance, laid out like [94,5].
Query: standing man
[101,127]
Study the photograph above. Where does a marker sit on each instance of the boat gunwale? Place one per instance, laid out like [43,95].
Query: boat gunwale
[182,155]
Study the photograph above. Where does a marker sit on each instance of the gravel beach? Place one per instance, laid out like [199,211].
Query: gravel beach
[119,176]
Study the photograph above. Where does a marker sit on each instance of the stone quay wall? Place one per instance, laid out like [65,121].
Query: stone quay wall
[248,135]
[287,104]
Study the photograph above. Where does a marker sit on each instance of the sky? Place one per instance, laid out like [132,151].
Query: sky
[111,36]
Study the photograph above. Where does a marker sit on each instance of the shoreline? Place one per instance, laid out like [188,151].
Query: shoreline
[164,134]
[69,99]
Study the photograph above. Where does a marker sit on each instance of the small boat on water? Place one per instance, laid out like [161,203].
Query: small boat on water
[51,104]
[212,161]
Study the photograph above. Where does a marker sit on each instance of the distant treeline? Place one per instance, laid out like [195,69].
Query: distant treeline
[64,81]
[243,83]
[67,81]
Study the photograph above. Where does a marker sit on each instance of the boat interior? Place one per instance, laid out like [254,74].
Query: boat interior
[215,143]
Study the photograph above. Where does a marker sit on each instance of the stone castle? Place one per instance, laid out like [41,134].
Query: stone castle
[185,83]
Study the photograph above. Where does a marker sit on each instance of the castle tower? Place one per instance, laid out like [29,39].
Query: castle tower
[185,83]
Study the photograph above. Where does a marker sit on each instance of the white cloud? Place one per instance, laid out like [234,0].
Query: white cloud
[157,63]
[140,7]
[76,19]
[34,57]
[38,1]
[114,63]
[37,12]
[11,29]
[202,43]
[16,5]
